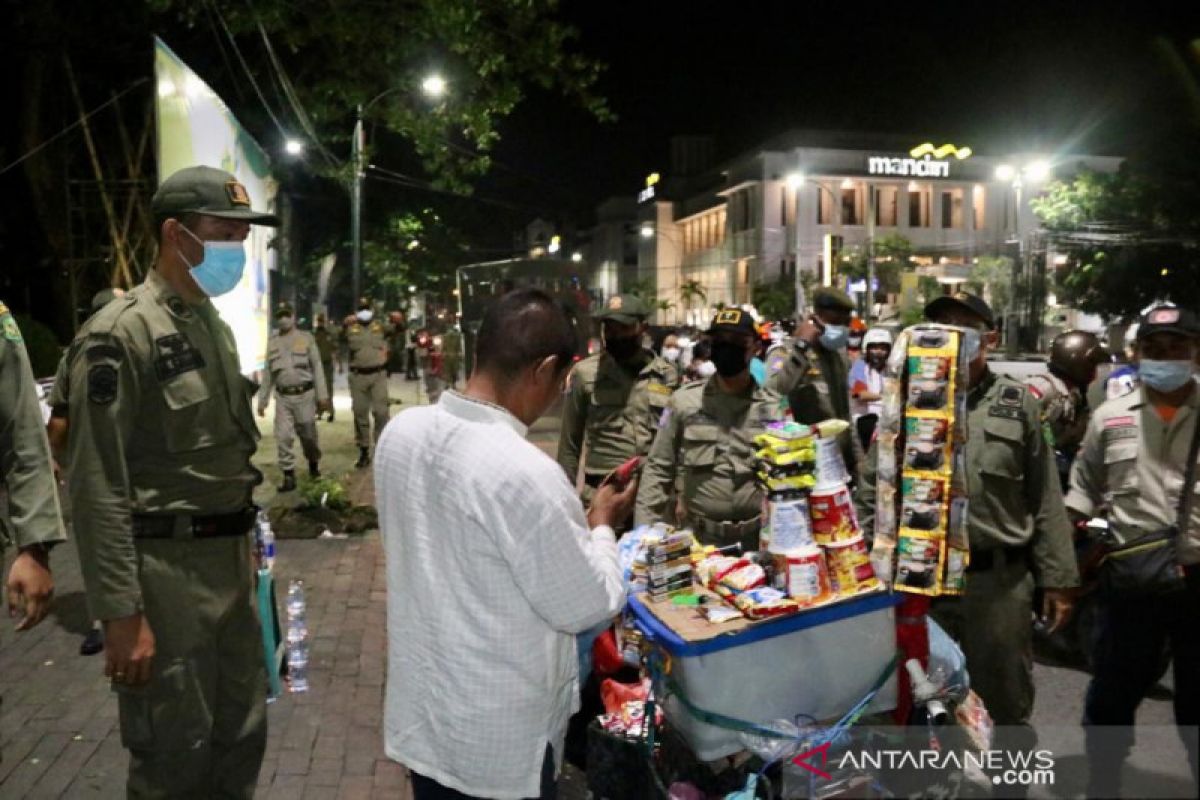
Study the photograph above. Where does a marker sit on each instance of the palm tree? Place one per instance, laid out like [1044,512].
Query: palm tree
[690,291]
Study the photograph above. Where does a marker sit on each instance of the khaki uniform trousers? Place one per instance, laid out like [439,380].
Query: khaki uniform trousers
[368,396]
[198,729]
[296,415]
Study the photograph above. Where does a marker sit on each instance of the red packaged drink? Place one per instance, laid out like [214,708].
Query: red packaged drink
[622,475]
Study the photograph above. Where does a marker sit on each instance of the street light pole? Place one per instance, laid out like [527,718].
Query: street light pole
[356,157]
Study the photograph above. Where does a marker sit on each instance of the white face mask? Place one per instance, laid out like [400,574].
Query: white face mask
[706,369]
[670,353]
[364,316]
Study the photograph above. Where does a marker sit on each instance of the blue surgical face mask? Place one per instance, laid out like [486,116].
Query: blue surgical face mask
[1165,376]
[220,271]
[834,337]
[363,315]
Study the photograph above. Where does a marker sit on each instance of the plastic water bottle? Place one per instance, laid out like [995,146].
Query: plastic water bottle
[297,661]
[295,598]
[297,613]
[266,538]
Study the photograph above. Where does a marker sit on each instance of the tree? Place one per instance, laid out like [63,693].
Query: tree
[991,278]
[644,289]
[691,291]
[1130,237]
[775,300]
[891,256]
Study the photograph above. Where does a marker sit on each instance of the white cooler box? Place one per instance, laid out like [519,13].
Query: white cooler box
[820,663]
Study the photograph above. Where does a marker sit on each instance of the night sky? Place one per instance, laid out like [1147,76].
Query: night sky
[1006,76]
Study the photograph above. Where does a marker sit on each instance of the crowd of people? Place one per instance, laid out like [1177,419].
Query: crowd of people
[497,557]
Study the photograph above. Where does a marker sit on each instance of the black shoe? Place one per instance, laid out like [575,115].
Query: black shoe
[331,416]
[314,469]
[92,643]
[364,457]
[289,480]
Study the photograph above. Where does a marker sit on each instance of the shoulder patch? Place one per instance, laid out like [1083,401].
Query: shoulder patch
[1012,396]
[176,355]
[102,383]
[1006,411]
[11,331]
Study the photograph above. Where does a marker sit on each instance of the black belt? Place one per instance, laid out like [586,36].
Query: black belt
[725,528]
[294,390]
[367,370]
[238,523]
[982,560]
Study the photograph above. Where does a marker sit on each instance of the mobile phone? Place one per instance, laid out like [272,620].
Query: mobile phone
[622,475]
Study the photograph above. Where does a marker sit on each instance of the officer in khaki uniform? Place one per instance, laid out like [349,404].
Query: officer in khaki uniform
[706,442]
[295,371]
[815,377]
[1017,525]
[161,436]
[452,356]
[1131,468]
[367,345]
[327,346]
[1060,392]
[615,398]
[33,519]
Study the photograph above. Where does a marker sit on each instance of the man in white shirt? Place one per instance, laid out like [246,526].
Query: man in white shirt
[492,569]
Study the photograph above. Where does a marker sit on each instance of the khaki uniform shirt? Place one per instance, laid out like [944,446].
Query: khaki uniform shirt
[1013,491]
[367,344]
[292,359]
[326,344]
[1132,463]
[816,383]
[161,423]
[25,465]
[615,409]
[1064,411]
[706,440]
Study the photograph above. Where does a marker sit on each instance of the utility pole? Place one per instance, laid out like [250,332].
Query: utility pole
[871,201]
[356,158]
[1013,331]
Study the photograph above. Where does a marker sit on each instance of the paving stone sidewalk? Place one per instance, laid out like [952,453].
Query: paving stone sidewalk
[58,724]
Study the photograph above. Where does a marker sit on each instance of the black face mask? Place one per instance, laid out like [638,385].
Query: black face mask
[877,360]
[623,348]
[729,358]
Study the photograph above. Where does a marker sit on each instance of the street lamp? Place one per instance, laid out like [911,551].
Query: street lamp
[1035,171]
[433,87]
[293,147]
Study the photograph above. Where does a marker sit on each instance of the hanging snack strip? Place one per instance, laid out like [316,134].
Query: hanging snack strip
[920,534]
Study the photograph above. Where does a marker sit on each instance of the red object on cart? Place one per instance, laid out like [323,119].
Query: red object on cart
[606,659]
[912,639]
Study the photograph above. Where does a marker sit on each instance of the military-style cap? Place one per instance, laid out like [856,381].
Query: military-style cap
[733,320]
[364,303]
[284,309]
[208,191]
[827,298]
[1168,319]
[627,309]
[963,300]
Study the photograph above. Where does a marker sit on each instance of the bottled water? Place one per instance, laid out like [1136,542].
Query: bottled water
[297,661]
[295,598]
[266,538]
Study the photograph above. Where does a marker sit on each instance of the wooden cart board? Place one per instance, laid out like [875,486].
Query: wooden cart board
[687,626]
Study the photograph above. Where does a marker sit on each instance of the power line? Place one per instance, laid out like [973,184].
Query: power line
[400,179]
[246,68]
[73,125]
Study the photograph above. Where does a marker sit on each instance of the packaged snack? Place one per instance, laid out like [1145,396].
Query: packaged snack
[926,430]
[919,562]
[921,516]
[788,518]
[850,570]
[765,602]
[832,512]
[928,367]
[718,613]
[929,395]
[743,576]
[831,467]
[923,490]
[788,483]
[804,573]
[955,581]
[711,568]
[927,457]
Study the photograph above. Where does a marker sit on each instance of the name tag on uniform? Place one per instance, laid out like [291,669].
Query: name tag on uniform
[300,347]
[1007,412]
[176,356]
[659,388]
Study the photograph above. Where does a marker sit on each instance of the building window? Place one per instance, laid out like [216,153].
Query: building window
[852,204]
[825,199]
[952,208]
[978,206]
[887,200]
[919,200]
